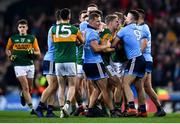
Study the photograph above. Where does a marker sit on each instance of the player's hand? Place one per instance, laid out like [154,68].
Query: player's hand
[108,44]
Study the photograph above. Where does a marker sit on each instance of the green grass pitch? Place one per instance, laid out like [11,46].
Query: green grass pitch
[25,117]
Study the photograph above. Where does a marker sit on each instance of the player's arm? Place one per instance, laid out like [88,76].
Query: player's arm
[37,51]
[80,37]
[115,41]
[144,43]
[105,41]
[99,48]
[9,47]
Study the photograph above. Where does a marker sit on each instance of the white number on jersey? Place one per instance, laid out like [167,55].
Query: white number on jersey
[138,34]
[64,28]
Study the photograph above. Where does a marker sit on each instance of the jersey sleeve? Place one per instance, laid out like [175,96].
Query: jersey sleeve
[93,36]
[35,45]
[9,45]
[120,33]
[50,39]
[79,36]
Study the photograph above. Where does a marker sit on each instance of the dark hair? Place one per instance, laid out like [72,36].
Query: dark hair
[110,18]
[57,14]
[65,13]
[83,11]
[22,21]
[135,14]
[141,12]
[97,11]
[92,5]
[93,16]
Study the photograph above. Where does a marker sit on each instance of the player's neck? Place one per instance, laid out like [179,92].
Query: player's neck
[64,21]
[140,21]
[22,34]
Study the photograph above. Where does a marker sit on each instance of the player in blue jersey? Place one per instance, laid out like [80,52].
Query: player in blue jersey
[146,49]
[94,67]
[83,24]
[49,71]
[135,69]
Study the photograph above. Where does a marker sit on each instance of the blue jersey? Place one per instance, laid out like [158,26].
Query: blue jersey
[147,51]
[50,53]
[83,26]
[131,36]
[89,55]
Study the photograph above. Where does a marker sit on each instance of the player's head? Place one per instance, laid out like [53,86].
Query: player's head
[112,21]
[141,13]
[83,16]
[95,20]
[120,17]
[132,16]
[65,14]
[91,7]
[22,26]
[58,15]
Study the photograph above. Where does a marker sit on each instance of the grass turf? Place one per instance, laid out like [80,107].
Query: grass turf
[25,117]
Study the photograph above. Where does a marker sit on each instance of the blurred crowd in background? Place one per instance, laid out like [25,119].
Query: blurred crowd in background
[163,17]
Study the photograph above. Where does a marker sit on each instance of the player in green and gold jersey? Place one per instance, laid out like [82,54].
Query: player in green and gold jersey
[21,49]
[65,37]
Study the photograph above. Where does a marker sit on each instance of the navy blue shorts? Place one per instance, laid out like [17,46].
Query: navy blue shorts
[136,67]
[48,67]
[95,71]
[149,66]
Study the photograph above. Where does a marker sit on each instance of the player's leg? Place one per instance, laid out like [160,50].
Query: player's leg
[152,94]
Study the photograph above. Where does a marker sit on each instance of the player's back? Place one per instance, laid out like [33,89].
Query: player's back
[64,38]
[50,52]
[144,28]
[131,36]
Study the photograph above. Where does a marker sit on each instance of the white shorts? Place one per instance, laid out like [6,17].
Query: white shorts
[80,71]
[118,68]
[110,71]
[25,70]
[66,69]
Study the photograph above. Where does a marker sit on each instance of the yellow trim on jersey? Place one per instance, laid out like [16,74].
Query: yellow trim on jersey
[71,38]
[22,46]
[106,37]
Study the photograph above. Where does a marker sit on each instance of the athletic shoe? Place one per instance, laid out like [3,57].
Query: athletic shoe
[39,113]
[67,109]
[142,114]
[79,110]
[23,102]
[33,112]
[160,113]
[131,112]
[114,114]
[51,115]
[63,114]
[118,112]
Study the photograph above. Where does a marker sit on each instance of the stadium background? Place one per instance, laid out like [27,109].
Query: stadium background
[163,17]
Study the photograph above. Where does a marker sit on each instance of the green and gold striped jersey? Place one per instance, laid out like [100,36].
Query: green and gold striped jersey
[104,37]
[20,45]
[64,37]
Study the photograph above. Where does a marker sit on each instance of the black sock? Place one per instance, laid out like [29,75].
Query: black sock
[68,102]
[117,105]
[142,108]
[40,106]
[131,105]
[159,108]
[50,109]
